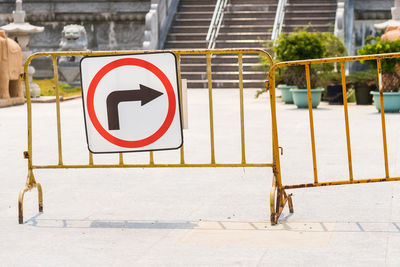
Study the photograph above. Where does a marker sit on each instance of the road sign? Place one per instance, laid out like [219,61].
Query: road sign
[131,102]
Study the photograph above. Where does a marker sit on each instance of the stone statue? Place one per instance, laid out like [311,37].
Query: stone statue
[10,70]
[73,38]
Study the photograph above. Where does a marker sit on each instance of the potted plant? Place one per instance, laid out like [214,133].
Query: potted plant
[363,83]
[286,94]
[305,45]
[297,46]
[332,81]
[328,75]
[390,73]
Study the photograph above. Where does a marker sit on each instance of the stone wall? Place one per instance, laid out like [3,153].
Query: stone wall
[115,24]
[366,14]
[109,24]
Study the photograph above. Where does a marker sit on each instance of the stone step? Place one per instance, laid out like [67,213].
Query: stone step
[248,21]
[197,2]
[201,36]
[238,44]
[249,14]
[226,88]
[221,36]
[189,29]
[195,8]
[219,67]
[193,22]
[307,14]
[226,59]
[185,45]
[203,84]
[244,36]
[227,16]
[300,20]
[225,28]
[224,75]
[253,2]
[252,7]
[315,28]
[310,1]
[247,28]
[196,15]
[311,6]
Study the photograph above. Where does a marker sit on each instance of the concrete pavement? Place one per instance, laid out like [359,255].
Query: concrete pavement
[203,217]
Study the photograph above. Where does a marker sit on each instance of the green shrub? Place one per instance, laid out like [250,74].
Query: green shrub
[299,45]
[302,45]
[367,77]
[380,47]
[390,79]
[328,78]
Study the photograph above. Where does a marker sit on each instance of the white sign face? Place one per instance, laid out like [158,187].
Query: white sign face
[131,102]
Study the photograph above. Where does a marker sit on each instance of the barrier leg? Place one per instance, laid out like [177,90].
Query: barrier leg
[277,204]
[289,200]
[30,184]
[272,205]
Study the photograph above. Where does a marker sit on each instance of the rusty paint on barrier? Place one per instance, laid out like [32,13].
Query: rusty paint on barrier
[31,182]
[278,196]
[361,181]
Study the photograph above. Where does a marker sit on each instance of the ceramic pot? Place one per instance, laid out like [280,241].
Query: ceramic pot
[285,93]
[300,97]
[391,101]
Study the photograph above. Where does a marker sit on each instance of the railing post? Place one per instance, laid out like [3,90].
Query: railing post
[216,23]
[278,22]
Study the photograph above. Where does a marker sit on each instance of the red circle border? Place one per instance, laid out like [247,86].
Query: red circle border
[164,80]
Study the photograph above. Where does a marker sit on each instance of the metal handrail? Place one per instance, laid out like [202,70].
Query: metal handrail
[279,17]
[216,22]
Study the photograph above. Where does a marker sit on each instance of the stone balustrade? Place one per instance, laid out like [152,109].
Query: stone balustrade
[158,20]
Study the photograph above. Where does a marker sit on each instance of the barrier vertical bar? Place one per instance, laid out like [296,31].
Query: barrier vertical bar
[278,196]
[346,118]
[30,181]
[151,158]
[311,122]
[276,181]
[178,62]
[29,116]
[210,103]
[379,68]
[270,84]
[90,158]
[242,134]
[121,159]
[55,68]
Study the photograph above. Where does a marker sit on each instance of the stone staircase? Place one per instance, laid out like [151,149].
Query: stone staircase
[190,26]
[318,14]
[246,24]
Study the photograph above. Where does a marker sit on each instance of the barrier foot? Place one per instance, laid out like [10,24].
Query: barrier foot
[30,184]
[290,202]
[272,206]
[278,203]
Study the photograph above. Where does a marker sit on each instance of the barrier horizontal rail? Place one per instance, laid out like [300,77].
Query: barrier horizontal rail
[278,195]
[31,181]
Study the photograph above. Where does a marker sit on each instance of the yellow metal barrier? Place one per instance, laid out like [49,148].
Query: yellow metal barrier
[278,195]
[31,182]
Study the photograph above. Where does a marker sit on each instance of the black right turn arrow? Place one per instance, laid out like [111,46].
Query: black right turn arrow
[144,94]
